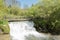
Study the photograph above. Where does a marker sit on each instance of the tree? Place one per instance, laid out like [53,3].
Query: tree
[47,19]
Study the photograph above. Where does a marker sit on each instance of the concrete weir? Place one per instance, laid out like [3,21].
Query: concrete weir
[16,19]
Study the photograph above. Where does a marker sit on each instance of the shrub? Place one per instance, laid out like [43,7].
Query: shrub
[4,27]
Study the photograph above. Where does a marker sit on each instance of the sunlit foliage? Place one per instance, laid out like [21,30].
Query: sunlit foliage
[45,14]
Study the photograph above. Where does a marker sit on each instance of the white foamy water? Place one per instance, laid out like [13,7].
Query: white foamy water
[24,30]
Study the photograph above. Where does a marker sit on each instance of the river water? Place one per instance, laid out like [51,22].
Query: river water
[24,30]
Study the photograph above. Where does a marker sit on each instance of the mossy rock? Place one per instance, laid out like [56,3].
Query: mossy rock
[4,28]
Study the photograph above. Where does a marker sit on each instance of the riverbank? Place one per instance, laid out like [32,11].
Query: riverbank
[4,37]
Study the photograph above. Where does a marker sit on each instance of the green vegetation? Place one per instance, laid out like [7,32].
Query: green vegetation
[46,15]
[4,26]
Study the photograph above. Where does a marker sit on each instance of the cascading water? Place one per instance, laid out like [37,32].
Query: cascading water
[24,30]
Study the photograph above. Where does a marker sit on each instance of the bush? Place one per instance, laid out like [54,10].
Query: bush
[5,29]
[47,25]
[4,26]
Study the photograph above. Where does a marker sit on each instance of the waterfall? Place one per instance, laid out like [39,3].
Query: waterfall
[24,30]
